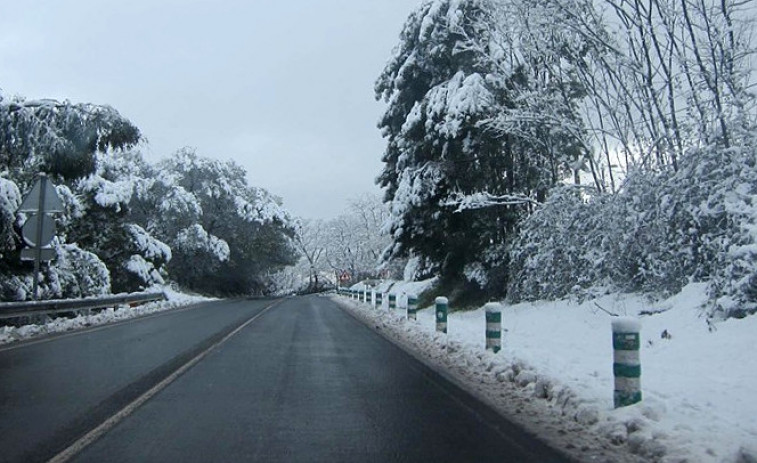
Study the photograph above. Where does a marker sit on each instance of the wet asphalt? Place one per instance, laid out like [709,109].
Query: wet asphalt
[304,381]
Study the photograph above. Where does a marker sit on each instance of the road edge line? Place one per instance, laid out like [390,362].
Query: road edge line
[94,434]
[449,375]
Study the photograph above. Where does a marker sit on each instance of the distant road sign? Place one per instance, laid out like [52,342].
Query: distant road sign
[31,228]
[45,254]
[50,200]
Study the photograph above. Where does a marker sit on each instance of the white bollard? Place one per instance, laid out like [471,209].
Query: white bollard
[412,307]
[626,363]
[493,326]
[442,305]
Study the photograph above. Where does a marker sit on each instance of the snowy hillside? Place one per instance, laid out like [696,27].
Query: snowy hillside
[554,374]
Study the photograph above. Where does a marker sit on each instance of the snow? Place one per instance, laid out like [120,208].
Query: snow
[150,247]
[626,325]
[10,197]
[554,373]
[143,269]
[107,193]
[195,238]
[174,300]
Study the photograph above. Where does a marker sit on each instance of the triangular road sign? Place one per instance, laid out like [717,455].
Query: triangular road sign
[50,202]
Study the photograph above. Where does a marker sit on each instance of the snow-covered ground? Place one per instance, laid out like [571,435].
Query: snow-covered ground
[554,373]
[173,300]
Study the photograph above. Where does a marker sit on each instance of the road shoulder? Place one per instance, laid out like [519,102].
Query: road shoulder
[477,373]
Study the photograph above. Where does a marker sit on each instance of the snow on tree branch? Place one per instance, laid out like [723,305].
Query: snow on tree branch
[484,199]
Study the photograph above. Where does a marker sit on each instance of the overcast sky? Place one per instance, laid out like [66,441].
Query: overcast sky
[284,87]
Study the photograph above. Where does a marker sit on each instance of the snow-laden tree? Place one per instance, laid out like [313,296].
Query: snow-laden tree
[667,92]
[63,140]
[240,233]
[351,244]
[104,223]
[355,239]
[58,138]
[474,137]
[660,77]
[310,240]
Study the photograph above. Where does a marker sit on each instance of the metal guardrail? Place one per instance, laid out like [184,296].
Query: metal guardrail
[25,309]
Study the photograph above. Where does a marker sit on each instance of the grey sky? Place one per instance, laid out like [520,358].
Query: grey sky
[283,87]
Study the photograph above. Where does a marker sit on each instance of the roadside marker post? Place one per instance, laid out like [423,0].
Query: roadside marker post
[626,365]
[368,296]
[392,301]
[493,326]
[379,299]
[442,306]
[412,307]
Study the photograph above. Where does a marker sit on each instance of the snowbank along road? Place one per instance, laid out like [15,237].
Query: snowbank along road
[285,380]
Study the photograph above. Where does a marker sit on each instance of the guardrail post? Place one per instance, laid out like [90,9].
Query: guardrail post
[379,299]
[412,307]
[626,363]
[493,326]
[442,305]
[368,296]
[392,301]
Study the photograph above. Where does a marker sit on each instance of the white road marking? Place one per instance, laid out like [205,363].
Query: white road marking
[111,422]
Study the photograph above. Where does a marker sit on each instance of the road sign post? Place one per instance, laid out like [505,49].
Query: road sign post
[39,229]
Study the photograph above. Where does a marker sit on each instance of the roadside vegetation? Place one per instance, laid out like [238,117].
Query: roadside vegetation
[129,224]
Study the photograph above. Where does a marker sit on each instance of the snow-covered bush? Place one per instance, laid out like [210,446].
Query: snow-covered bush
[659,232]
[80,273]
[10,199]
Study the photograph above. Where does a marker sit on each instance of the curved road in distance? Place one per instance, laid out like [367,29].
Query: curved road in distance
[300,380]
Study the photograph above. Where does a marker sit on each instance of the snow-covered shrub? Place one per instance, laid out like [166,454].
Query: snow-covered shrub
[15,287]
[659,232]
[80,273]
[721,188]
[559,247]
[10,200]
[146,264]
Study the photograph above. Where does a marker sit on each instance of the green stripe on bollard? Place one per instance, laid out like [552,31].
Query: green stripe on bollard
[412,307]
[493,334]
[626,366]
[493,317]
[626,341]
[626,371]
[624,398]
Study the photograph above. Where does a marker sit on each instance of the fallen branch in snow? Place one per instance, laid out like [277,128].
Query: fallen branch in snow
[606,311]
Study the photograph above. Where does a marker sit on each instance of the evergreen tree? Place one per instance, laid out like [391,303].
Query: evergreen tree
[466,155]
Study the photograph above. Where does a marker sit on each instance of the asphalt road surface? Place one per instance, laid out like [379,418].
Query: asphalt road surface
[235,381]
